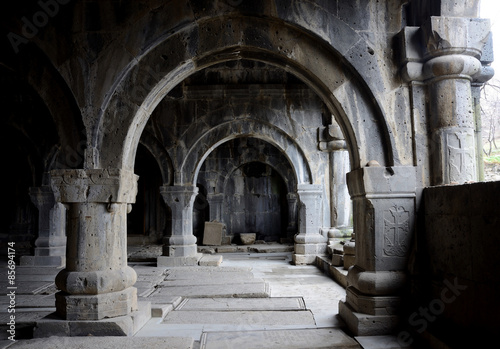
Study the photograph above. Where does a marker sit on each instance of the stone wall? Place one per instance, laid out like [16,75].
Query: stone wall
[460,249]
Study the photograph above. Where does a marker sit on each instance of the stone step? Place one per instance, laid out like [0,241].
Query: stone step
[240,304]
[243,319]
[244,290]
[290,339]
[105,343]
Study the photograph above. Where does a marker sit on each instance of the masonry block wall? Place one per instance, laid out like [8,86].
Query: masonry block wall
[460,250]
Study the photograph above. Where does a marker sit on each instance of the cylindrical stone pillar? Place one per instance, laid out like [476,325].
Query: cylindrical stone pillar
[97,282]
[452,122]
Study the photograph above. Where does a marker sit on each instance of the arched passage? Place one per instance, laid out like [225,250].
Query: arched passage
[250,184]
[156,73]
[244,128]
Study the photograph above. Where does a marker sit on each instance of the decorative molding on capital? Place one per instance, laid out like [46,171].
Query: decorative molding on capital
[455,35]
[94,185]
[444,47]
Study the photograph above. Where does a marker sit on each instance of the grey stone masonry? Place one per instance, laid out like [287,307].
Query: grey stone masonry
[96,283]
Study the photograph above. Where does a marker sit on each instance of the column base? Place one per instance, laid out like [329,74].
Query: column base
[367,325]
[126,325]
[307,253]
[96,307]
[43,261]
[166,261]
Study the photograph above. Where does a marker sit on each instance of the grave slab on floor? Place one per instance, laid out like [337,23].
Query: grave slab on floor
[209,281]
[105,343]
[240,304]
[303,318]
[251,290]
[290,339]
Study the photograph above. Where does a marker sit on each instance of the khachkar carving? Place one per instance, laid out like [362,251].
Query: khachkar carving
[445,53]
[93,287]
[460,156]
[396,231]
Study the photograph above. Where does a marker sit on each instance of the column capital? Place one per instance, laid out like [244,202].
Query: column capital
[94,185]
[459,42]
[455,35]
[375,182]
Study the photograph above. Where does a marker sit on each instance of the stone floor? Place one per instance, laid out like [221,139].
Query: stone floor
[252,300]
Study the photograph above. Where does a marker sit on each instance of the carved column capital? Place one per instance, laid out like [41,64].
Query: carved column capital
[95,185]
[455,35]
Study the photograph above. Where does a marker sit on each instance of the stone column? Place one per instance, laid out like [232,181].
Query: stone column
[97,282]
[309,242]
[384,211]
[453,48]
[180,248]
[332,141]
[215,202]
[50,246]
[292,215]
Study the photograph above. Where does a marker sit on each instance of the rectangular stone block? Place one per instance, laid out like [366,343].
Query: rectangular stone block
[210,260]
[213,233]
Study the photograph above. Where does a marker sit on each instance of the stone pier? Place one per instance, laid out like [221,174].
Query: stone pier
[97,283]
[309,242]
[180,247]
[384,233]
[50,246]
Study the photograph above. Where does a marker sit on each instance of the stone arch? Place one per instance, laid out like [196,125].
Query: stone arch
[160,154]
[325,67]
[224,132]
[281,169]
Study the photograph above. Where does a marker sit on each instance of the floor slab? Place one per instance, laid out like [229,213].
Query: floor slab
[106,343]
[290,339]
[242,318]
[235,304]
[251,290]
